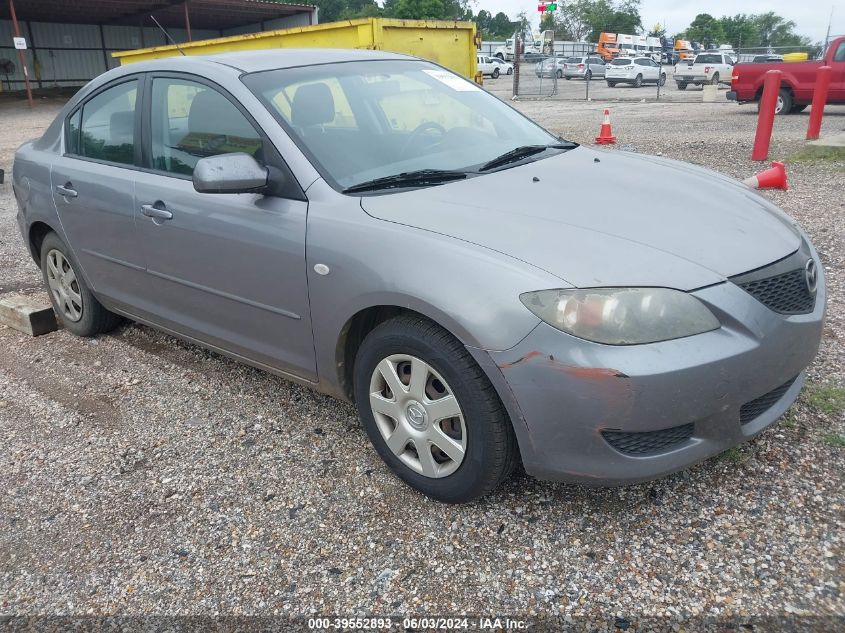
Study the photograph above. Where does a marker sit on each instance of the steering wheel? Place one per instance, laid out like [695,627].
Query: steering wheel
[419,131]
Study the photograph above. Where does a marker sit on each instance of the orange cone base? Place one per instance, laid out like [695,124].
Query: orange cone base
[773,178]
[605,136]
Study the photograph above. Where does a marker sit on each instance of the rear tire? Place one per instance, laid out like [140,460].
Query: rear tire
[408,344]
[784,102]
[611,84]
[682,85]
[714,80]
[75,306]
[560,74]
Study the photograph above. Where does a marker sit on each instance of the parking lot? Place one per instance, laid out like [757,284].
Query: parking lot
[576,89]
[143,475]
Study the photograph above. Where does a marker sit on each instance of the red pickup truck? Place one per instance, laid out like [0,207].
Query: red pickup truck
[797,82]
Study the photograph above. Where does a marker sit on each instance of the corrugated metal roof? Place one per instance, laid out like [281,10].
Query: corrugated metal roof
[204,14]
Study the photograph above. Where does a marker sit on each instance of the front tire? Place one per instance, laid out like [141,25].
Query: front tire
[638,82]
[75,306]
[510,71]
[431,412]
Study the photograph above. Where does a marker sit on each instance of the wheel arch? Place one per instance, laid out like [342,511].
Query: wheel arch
[38,230]
[359,325]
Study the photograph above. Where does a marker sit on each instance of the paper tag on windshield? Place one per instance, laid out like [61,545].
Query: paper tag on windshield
[453,81]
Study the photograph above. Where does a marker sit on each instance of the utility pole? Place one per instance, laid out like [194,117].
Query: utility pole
[21,56]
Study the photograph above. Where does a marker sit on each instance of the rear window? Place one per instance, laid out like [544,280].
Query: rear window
[708,59]
[574,60]
[621,61]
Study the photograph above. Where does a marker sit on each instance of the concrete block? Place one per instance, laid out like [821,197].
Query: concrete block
[30,314]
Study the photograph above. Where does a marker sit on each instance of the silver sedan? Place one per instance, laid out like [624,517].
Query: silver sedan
[375,227]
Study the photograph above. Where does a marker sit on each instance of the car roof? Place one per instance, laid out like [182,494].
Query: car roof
[258,60]
[266,59]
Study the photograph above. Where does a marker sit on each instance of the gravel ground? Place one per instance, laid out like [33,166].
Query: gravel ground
[144,476]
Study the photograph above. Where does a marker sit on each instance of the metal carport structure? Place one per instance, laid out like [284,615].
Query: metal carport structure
[69,43]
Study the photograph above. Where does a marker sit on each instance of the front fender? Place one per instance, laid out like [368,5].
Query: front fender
[470,290]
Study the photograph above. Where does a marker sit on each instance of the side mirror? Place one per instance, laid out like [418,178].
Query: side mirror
[230,173]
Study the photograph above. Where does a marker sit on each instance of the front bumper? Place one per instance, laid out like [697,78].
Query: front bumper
[573,396]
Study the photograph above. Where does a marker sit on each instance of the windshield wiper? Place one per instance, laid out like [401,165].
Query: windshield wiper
[419,177]
[524,151]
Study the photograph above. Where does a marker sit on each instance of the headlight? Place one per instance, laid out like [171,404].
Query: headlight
[622,316]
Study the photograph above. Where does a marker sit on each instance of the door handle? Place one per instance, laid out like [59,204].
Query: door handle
[66,190]
[156,211]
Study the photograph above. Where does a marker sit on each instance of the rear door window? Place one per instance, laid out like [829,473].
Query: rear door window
[108,125]
[708,59]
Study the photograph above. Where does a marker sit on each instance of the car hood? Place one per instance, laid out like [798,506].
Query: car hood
[606,218]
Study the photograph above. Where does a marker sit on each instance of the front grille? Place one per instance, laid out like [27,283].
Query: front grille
[751,410]
[786,293]
[647,442]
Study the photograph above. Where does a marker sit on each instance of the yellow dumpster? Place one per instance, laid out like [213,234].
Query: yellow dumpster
[795,57]
[450,44]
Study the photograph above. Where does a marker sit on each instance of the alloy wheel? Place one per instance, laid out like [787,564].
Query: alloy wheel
[64,285]
[418,415]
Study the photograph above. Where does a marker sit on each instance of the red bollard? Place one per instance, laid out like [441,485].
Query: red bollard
[766,118]
[819,97]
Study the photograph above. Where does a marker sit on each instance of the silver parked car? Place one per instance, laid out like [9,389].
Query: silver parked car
[550,67]
[583,67]
[378,228]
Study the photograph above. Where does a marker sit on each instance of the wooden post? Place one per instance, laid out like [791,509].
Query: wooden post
[21,56]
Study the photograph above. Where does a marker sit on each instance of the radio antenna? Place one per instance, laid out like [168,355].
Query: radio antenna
[167,35]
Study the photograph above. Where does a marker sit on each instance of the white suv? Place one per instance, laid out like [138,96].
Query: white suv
[634,70]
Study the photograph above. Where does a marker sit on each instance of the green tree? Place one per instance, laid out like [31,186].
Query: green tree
[706,29]
[740,30]
[609,16]
[658,30]
[424,9]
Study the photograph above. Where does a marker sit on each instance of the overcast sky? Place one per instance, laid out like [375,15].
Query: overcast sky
[810,16]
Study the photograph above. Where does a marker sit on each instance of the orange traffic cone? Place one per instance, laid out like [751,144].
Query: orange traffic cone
[605,136]
[772,178]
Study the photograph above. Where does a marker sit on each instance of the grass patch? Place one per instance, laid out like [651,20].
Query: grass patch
[789,422]
[812,153]
[731,456]
[828,399]
[835,439]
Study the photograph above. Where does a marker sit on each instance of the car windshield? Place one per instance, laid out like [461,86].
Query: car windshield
[362,120]
[621,61]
